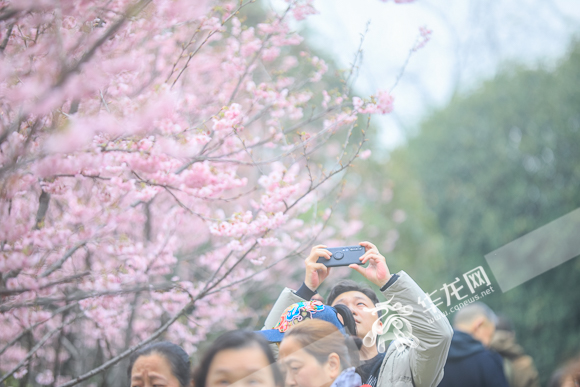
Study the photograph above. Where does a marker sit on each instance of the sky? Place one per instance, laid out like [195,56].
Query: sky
[470,42]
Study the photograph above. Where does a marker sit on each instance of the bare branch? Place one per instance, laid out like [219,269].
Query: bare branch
[342,168]
[356,59]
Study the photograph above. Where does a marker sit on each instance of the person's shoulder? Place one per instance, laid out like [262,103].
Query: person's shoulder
[491,357]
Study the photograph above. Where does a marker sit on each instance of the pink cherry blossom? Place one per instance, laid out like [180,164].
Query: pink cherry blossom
[365,154]
[153,162]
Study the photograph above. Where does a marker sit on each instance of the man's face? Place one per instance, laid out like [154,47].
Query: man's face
[485,332]
[357,302]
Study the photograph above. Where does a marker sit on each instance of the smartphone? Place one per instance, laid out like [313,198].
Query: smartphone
[343,256]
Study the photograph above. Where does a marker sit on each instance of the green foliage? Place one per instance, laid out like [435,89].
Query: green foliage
[488,168]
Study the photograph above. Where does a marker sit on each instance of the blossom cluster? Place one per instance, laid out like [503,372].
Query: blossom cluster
[149,166]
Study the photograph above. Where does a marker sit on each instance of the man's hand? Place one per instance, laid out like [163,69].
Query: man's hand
[377,271]
[316,273]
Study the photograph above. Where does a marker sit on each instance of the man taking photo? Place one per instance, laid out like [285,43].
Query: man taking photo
[417,360]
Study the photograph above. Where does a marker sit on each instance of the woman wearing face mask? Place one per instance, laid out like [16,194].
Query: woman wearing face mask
[240,357]
[161,364]
[315,353]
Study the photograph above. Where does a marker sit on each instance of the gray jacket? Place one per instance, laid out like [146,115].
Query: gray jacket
[417,362]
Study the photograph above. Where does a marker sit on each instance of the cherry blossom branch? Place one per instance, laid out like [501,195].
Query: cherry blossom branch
[347,141]
[7,13]
[191,55]
[403,68]
[220,159]
[420,41]
[245,279]
[179,202]
[43,202]
[38,345]
[131,11]
[14,164]
[293,128]
[256,56]
[222,263]
[185,47]
[5,41]
[208,288]
[83,296]
[134,348]
[294,253]
[357,55]
[308,168]
[57,265]
[30,328]
[206,150]
[232,198]
[11,292]
[342,168]
[200,158]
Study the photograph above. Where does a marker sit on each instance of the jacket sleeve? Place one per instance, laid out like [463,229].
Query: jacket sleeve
[285,299]
[494,375]
[430,327]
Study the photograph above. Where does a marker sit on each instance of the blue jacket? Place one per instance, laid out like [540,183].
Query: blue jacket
[470,364]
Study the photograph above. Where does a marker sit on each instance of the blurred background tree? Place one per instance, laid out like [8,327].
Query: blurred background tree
[492,166]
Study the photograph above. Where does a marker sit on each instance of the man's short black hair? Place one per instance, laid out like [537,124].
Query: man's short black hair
[350,286]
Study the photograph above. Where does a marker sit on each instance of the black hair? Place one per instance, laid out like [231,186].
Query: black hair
[174,354]
[347,318]
[504,324]
[235,340]
[352,286]
[349,324]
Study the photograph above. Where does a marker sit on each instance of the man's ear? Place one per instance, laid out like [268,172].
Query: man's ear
[476,324]
[380,326]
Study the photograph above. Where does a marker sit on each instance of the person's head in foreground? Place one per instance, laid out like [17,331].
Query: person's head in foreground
[340,316]
[315,353]
[478,320]
[161,364]
[238,357]
[566,376]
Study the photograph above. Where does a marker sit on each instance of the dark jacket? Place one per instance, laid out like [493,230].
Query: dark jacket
[469,363]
